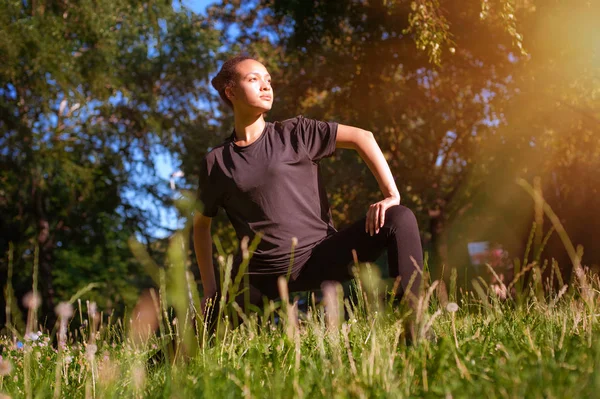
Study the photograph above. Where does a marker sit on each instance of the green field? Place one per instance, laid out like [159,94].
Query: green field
[535,345]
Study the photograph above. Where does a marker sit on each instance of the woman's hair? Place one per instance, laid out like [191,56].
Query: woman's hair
[226,76]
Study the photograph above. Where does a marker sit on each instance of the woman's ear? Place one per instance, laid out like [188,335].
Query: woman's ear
[229,93]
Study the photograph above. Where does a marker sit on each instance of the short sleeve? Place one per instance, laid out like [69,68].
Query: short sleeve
[318,137]
[207,194]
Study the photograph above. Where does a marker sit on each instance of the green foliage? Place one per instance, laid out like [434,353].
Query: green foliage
[89,92]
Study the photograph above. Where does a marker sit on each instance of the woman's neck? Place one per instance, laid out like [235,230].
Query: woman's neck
[248,128]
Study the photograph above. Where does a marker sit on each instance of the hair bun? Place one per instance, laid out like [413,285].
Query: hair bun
[226,76]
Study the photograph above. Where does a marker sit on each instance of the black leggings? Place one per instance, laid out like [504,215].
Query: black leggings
[332,258]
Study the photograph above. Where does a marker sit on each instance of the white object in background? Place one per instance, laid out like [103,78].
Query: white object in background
[478,251]
[179,173]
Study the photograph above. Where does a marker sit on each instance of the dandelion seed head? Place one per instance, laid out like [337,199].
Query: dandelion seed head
[64,310]
[452,307]
[32,301]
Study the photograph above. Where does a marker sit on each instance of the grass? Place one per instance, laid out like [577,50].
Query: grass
[538,342]
[541,348]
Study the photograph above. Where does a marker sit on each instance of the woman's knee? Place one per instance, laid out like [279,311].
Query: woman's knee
[400,216]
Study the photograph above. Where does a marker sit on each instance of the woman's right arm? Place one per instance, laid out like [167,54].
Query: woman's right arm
[203,248]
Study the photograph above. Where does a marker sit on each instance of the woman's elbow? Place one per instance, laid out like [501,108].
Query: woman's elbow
[363,139]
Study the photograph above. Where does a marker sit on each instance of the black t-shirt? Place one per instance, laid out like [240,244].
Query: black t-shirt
[273,186]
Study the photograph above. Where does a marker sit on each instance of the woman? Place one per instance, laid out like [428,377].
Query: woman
[266,177]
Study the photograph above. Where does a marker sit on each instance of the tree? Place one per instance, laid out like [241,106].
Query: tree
[420,75]
[463,97]
[87,92]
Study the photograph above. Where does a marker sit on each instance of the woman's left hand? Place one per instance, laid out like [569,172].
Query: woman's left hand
[376,214]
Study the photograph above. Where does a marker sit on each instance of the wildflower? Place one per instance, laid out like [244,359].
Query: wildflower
[32,301]
[19,345]
[32,336]
[452,307]
[5,367]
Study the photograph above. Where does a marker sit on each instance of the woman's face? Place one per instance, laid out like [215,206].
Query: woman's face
[252,91]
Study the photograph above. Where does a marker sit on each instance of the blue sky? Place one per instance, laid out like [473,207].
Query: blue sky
[165,164]
[197,5]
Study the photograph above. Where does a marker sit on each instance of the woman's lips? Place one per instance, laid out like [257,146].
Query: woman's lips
[268,98]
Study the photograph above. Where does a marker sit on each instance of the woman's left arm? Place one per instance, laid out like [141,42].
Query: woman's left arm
[364,142]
